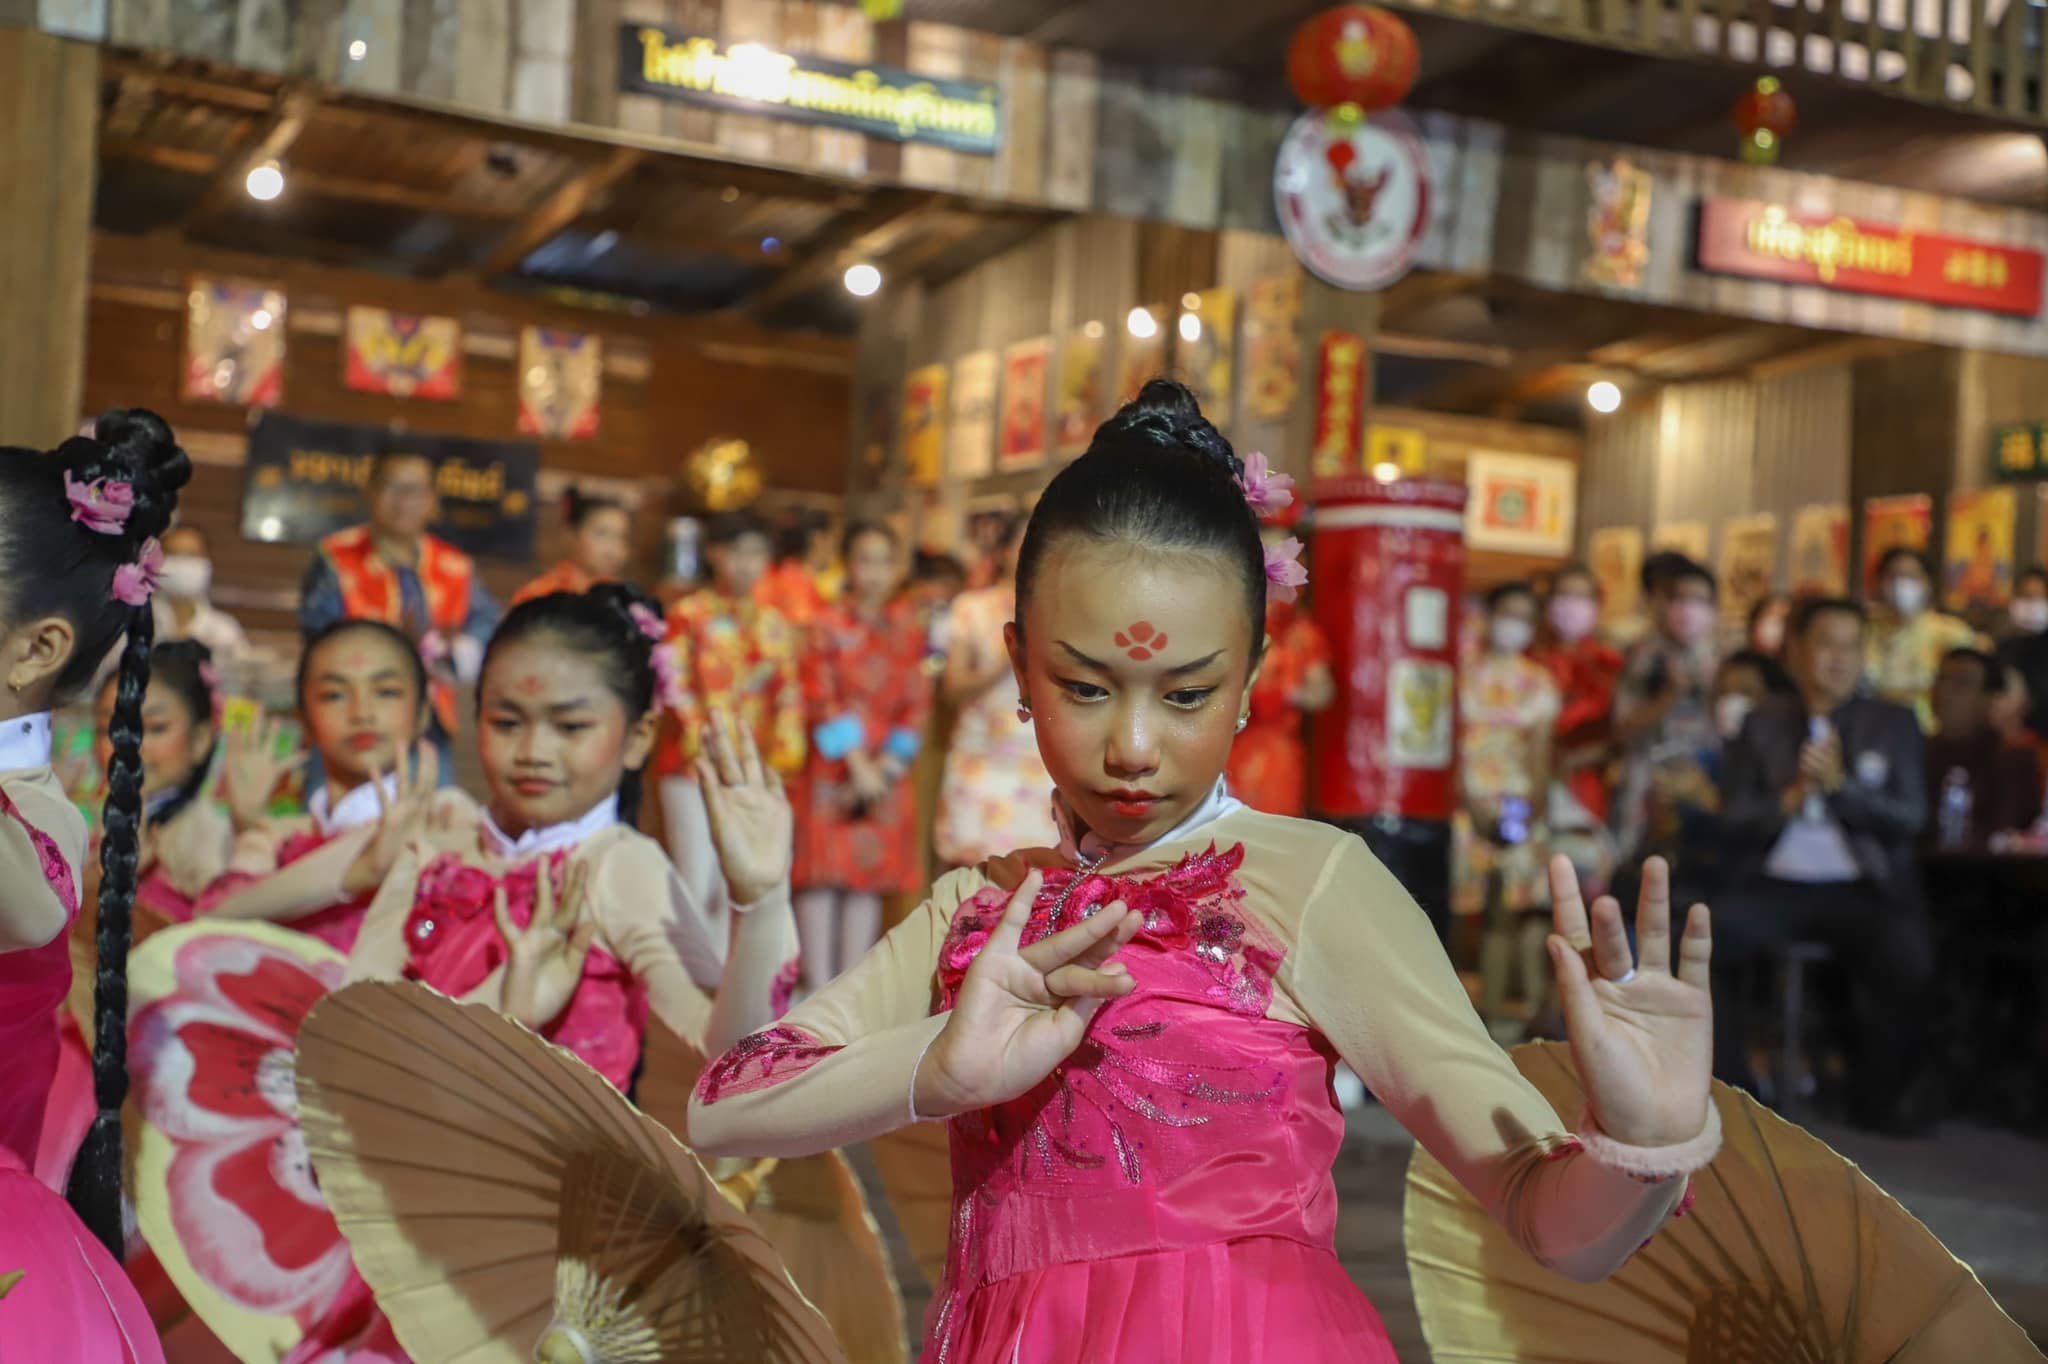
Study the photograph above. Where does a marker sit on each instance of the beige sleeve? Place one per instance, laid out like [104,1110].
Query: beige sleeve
[253,890]
[630,896]
[380,951]
[193,849]
[31,914]
[839,1068]
[1369,973]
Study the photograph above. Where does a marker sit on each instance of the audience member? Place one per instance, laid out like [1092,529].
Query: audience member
[1978,785]
[1663,708]
[1765,631]
[2024,648]
[183,607]
[1908,637]
[1692,789]
[1824,799]
[1587,669]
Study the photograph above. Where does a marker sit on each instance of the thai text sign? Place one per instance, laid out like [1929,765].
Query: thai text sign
[877,100]
[1767,241]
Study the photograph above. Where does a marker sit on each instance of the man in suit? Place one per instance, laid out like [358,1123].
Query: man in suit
[1824,800]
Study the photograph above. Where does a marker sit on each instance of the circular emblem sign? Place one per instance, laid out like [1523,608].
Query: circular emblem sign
[1353,201]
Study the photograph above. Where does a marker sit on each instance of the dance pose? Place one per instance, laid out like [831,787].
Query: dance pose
[79,556]
[600,544]
[1132,1036]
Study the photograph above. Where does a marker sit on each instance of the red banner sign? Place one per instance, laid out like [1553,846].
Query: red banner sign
[1767,241]
[1340,405]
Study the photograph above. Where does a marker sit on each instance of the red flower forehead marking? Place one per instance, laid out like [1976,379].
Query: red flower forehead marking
[529,685]
[1139,640]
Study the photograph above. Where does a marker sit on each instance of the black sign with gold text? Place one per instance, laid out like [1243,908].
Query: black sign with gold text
[749,78]
[304,481]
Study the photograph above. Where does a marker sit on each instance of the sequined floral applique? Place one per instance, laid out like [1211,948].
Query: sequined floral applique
[56,870]
[759,1060]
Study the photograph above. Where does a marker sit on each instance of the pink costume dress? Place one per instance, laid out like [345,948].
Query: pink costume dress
[72,1301]
[1166,1193]
[188,854]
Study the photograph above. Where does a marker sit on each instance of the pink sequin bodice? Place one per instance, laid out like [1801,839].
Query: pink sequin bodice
[33,984]
[453,943]
[336,925]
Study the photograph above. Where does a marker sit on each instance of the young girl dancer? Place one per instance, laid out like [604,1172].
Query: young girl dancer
[363,698]
[78,557]
[600,532]
[1133,1036]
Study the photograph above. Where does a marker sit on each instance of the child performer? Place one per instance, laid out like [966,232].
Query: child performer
[363,697]
[79,556]
[1133,1036]
[868,696]
[600,544]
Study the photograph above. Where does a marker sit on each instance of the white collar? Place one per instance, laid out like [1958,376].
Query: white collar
[602,815]
[25,742]
[359,807]
[1091,851]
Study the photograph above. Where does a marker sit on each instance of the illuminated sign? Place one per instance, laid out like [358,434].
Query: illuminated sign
[749,78]
[1767,241]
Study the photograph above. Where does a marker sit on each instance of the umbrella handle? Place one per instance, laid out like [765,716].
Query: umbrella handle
[744,1187]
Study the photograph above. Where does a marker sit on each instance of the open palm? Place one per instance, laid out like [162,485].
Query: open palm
[751,822]
[1642,1035]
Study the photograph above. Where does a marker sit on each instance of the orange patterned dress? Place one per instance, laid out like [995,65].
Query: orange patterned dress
[743,658]
[865,689]
[1268,767]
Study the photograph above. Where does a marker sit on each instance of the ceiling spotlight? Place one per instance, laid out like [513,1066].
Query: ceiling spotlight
[1192,302]
[862,280]
[358,50]
[265,182]
[262,319]
[1141,324]
[1093,331]
[1386,471]
[1604,396]
[1190,328]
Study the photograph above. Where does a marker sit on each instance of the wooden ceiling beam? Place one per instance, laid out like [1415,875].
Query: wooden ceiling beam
[555,210]
[268,140]
[872,230]
[191,161]
[132,71]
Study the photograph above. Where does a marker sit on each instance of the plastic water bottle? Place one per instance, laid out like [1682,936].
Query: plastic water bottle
[1952,822]
[1815,808]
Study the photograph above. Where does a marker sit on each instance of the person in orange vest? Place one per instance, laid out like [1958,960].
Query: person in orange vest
[389,569]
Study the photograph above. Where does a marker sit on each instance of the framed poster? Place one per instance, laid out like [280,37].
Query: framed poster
[1820,551]
[1977,574]
[1749,562]
[1893,523]
[1020,440]
[878,412]
[1520,504]
[1614,556]
[971,429]
[1690,538]
[234,344]
[404,355]
[924,425]
[1207,351]
[561,378]
[1340,405]
[1140,353]
[1078,398]
[1272,347]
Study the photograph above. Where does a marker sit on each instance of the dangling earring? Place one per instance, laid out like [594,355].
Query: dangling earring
[1023,712]
[1242,721]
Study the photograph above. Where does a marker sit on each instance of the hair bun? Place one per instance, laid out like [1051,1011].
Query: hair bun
[135,445]
[1166,414]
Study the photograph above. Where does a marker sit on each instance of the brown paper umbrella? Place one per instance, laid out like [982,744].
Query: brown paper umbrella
[917,1172]
[505,1203]
[1790,1255]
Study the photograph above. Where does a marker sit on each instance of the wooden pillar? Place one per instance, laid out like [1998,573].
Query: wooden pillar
[49,111]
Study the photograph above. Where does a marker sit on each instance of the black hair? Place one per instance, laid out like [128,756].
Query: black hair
[579,506]
[1500,592]
[1763,604]
[53,564]
[396,637]
[728,527]
[798,530]
[1777,681]
[602,625]
[856,529]
[1665,566]
[1158,474]
[1574,569]
[2036,574]
[930,566]
[1995,680]
[1810,609]
[1898,552]
[185,666]
[1692,571]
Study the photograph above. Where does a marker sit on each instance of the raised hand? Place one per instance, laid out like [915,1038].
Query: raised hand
[751,823]
[1023,1010]
[1643,1037]
[252,771]
[544,961]
[399,816]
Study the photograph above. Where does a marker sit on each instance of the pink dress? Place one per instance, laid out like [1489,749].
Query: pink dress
[72,1301]
[336,925]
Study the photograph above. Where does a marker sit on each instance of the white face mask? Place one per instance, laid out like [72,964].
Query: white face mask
[1908,595]
[2030,614]
[1729,713]
[1508,635]
[186,577]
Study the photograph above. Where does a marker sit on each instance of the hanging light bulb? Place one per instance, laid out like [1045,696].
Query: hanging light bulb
[265,182]
[1142,324]
[862,280]
[1604,396]
[1190,328]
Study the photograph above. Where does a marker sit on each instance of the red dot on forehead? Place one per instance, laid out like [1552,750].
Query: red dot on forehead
[1139,640]
[529,685]
[356,659]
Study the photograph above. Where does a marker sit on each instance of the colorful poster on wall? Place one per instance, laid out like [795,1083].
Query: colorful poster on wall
[971,426]
[924,426]
[1340,405]
[1020,442]
[1690,538]
[1520,504]
[1978,572]
[1393,452]
[877,426]
[1617,223]
[1272,347]
[234,344]
[1140,351]
[561,377]
[1078,406]
[1207,352]
[1749,562]
[1820,551]
[405,355]
[1614,554]
[1891,523]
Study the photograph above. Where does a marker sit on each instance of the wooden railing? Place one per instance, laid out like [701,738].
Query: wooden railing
[1983,55]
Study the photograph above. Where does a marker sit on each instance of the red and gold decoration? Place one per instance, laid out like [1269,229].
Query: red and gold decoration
[1617,223]
[404,355]
[924,424]
[723,474]
[1352,60]
[1340,405]
[1020,435]
[1272,346]
[234,344]
[561,375]
[1764,116]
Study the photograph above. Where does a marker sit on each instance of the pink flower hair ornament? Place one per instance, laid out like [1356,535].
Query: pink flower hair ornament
[134,582]
[1265,491]
[101,506]
[668,678]
[209,676]
[1284,572]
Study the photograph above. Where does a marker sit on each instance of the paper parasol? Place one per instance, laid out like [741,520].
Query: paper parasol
[917,1171]
[1791,1255]
[506,1203]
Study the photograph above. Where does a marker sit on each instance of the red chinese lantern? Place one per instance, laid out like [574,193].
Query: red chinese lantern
[1764,115]
[1357,59]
